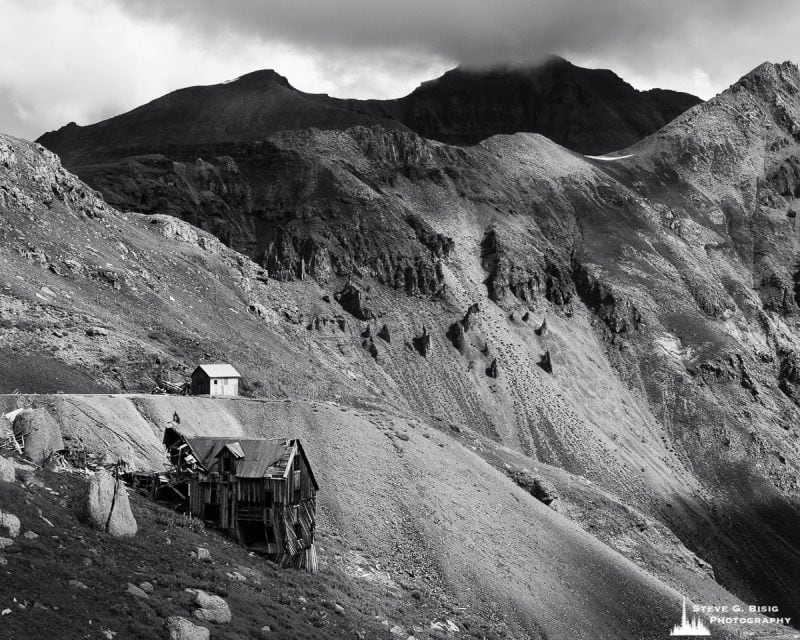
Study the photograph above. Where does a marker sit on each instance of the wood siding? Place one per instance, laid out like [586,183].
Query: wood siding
[275,515]
[202,385]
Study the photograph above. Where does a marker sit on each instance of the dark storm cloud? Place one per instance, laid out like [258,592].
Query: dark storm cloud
[81,60]
[711,34]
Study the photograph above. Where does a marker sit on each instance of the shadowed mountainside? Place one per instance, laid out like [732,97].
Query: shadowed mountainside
[586,110]
[591,111]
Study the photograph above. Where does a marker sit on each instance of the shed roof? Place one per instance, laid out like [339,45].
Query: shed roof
[220,370]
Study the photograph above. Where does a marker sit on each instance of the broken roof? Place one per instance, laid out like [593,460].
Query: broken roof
[256,457]
[220,370]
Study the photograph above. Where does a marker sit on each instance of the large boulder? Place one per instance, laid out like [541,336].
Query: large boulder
[10,523]
[211,608]
[6,470]
[40,433]
[106,506]
[183,629]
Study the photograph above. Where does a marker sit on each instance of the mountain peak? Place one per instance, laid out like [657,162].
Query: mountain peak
[770,78]
[262,76]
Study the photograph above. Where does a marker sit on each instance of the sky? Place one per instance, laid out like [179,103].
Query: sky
[86,60]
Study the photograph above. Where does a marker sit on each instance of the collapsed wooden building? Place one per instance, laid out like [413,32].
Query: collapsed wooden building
[260,492]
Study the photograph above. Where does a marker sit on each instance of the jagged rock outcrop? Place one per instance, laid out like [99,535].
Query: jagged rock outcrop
[545,363]
[423,342]
[514,271]
[106,506]
[354,300]
[456,331]
[384,333]
[789,377]
[288,257]
[619,315]
[439,245]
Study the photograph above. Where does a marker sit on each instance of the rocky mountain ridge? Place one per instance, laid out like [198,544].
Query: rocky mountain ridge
[591,111]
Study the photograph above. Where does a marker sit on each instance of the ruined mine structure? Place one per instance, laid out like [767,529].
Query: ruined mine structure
[261,492]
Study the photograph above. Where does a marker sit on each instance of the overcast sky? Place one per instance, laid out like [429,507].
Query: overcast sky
[85,60]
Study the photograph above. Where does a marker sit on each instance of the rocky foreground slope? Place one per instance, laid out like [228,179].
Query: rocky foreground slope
[628,320]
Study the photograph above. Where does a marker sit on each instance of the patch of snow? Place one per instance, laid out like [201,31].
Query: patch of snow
[610,158]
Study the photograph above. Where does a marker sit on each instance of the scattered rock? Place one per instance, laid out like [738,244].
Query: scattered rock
[3,561]
[96,331]
[77,584]
[338,609]
[203,554]
[29,480]
[147,587]
[447,626]
[40,433]
[211,608]
[542,330]
[30,535]
[5,542]
[257,309]
[6,470]
[541,489]
[183,629]
[397,630]
[384,334]
[106,506]
[491,370]
[10,523]
[235,575]
[136,591]
[266,629]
